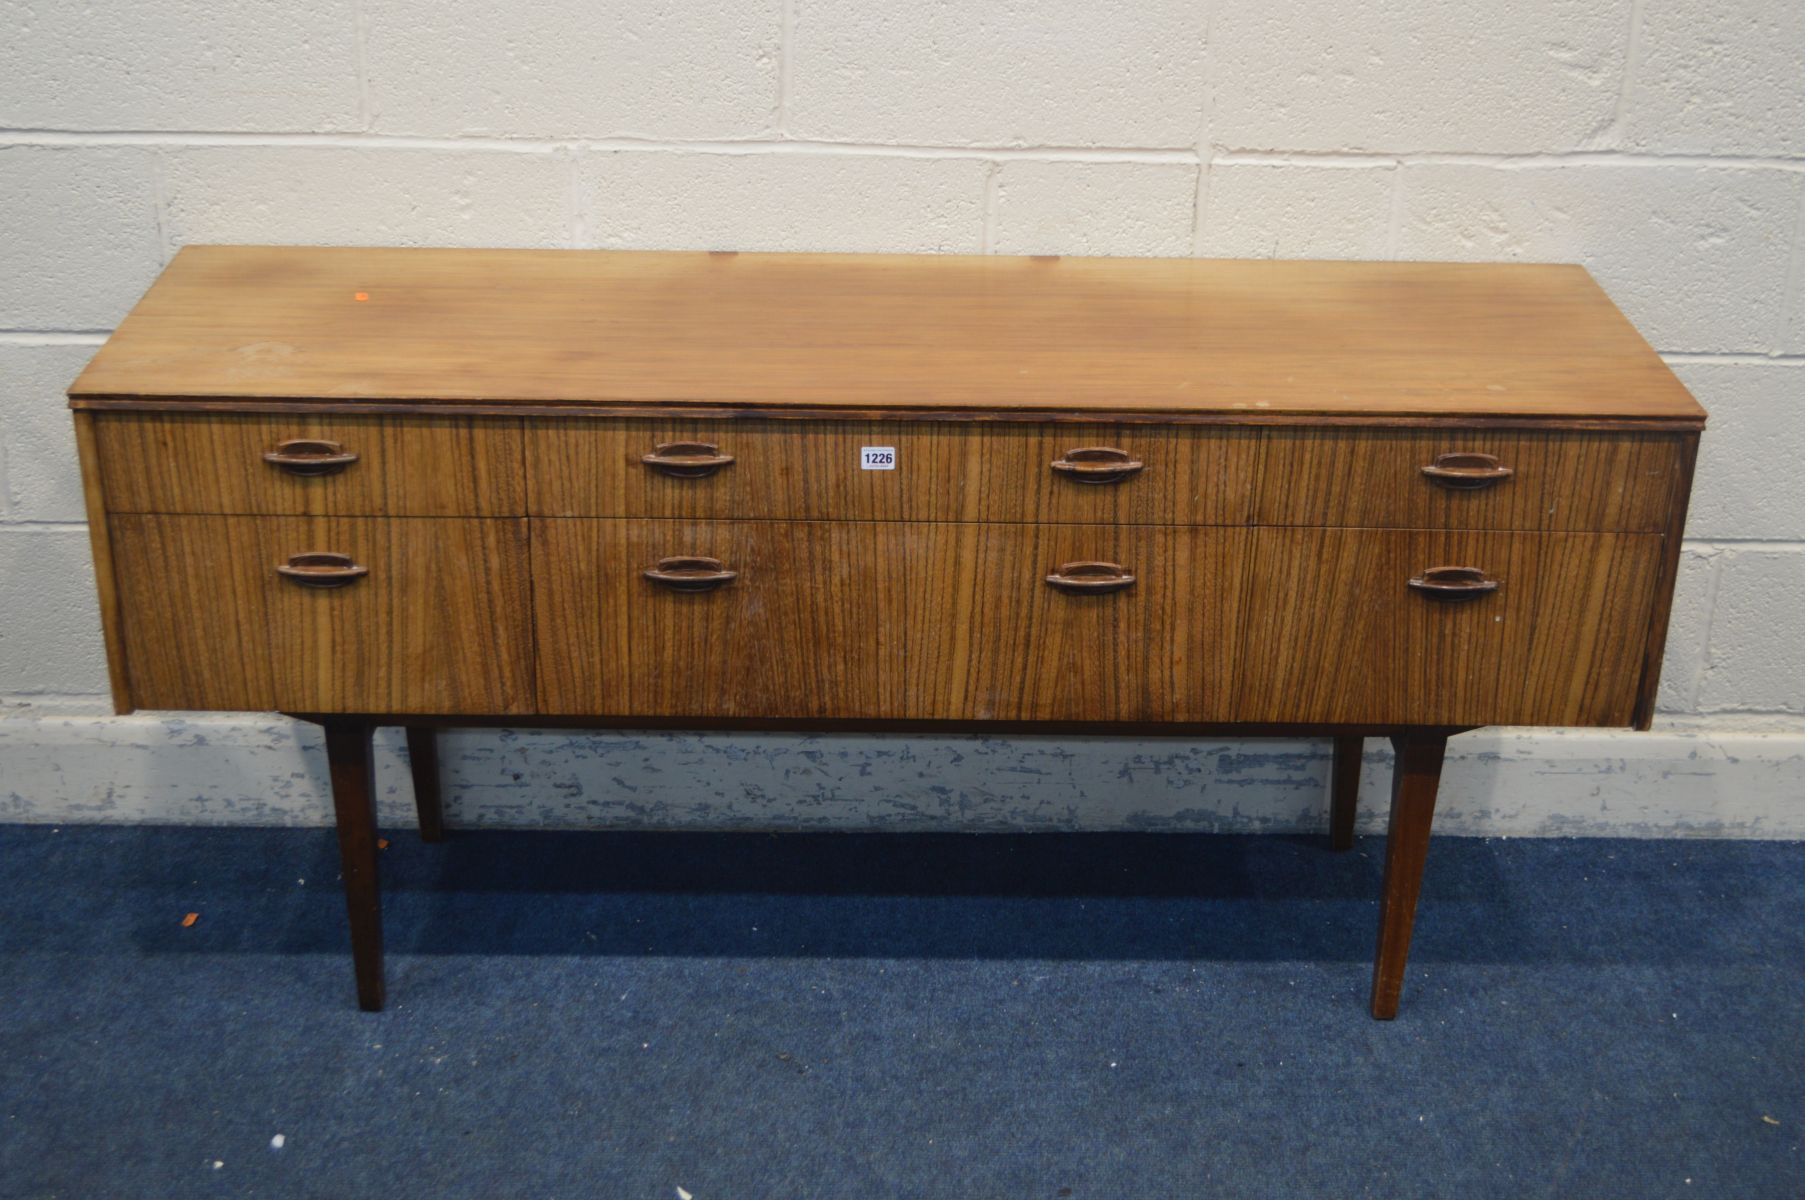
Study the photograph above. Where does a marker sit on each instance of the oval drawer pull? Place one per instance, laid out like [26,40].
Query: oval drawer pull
[689,573]
[1452,584]
[1097,464]
[1466,472]
[310,456]
[321,569]
[1090,578]
[686,460]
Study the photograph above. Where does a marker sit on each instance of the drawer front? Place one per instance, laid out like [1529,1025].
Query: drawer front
[1335,632]
[438,623]
[326,465]
[1161,650]
[885,620]
[818,470]
[1556,481]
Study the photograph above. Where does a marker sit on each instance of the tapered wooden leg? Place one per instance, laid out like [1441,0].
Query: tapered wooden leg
[1344,791]
[353,799]
[423,758]
[1413,787]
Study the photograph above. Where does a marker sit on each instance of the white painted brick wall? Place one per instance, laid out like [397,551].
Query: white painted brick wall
[1493,76]
[1718,77]
[1752,660]
[1688,630]
[37,441]
[1659,142]
[1791,339]
[178,64]
[1094,208]
[1754,458]
[1297,210]
[371,196]
[810,202]
[1698,258]
[79,227]
[49,643]
[574,68]
[1022,73]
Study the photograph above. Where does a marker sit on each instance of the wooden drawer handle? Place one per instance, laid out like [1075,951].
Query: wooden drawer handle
[1466,472]
[1454,584]
[310,456]
[686,460]
[1091,578]
[690,574]
[321,569]
[1097,464]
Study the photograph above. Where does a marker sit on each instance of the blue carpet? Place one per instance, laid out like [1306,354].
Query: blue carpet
[1093,1016]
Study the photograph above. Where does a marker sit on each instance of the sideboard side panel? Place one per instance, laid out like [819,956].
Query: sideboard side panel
[100,539]
[1668,579]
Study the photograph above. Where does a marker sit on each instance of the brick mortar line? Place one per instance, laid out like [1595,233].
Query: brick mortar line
[786,25]
[1792,295]
[53,337]
[1206,115]
[1701,654]
[159,204]
[990,198]
[1522,161]
[764,144]
[1733,357]
[1394,214]
[576,215]
[1627,81]
[360,64]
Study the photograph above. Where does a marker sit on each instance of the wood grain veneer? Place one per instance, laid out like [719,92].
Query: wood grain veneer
[810,470]
[421,466]
[858,619]
[885,331]
[100,540]
[1672,542]
[1561,480]
[441,623]
[1335,636]
[499,551]
[996,643]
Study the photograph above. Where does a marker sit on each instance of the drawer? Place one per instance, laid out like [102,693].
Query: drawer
[1556,481]
[1336,633]
[885,620]
[437,623]
[354,465]
[937,471]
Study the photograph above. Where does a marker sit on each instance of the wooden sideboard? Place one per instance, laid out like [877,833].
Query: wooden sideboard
[713,490]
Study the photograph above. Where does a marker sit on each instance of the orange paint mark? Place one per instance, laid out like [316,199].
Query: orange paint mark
[190,919]
[382,843]
[360,295]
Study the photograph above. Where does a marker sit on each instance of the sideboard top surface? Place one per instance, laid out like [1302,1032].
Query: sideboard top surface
[896,334]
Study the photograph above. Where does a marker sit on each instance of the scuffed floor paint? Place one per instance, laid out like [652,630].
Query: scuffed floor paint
[265,770]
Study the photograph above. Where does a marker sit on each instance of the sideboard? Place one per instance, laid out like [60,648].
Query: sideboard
[435,488]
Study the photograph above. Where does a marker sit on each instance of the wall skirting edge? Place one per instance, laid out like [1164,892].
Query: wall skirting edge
[1723,777]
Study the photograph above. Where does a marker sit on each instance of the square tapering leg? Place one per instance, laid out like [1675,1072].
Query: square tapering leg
[353,799]
[423,760]
[1414,782]
[1344,791]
